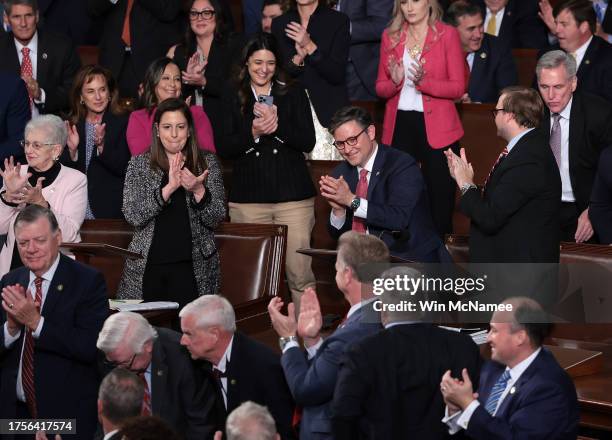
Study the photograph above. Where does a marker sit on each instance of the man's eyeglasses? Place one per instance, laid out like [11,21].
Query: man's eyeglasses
[37,146]
[124,364]
[351,142]
[205,14]
[495,111]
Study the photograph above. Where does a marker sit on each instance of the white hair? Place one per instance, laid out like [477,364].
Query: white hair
[211,310]
[554,59]
[53,126]
[250,421]
[128,327]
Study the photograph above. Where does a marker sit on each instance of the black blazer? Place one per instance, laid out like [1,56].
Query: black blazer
[274,169]
[57,64]
[606,25]
[106,171]
[324,72]
[493,69]
[590,132]
[516,218]
[600,210]
[521,27]
[389,384]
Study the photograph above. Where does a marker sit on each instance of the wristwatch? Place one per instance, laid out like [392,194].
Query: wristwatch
[466,187]
[355,204]
[283,341]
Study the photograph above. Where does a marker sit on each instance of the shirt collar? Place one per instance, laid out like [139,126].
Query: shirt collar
[32,45]
[370,163]
[516,138]
[520,368]
[498,14]
[48,275]
[226,357]
[110,434]
[582,50]
[565,113]
[357,306]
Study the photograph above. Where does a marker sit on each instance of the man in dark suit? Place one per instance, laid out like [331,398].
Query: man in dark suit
[173,390]
[311,374]
[600,209]
[516,22]
[14,115]
[523,391]
[369,18]
[132,39]
[242,368]
[379,190]
[53,310]
[581,125]
[387,387]
[491,64]
[70,18]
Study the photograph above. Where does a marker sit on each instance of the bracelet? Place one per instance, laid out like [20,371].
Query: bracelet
[298,65]
[466,187]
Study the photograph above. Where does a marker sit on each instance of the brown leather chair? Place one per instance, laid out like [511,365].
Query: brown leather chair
[88,54]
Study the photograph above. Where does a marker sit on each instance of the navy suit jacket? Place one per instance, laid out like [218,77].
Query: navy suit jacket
[66,376]
[600,210]
[398,207]
[312,382]
[493,69]
[14,115]
[543,406]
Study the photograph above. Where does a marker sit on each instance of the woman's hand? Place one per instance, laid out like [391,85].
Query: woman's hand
[194,184]
[73,141]
[265,121]
[416,72]
[99,133]
[300,35]
[396,68]
[194,75]
[33,194]
[175,163]
[14,182]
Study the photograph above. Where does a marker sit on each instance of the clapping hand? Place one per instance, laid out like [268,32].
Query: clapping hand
[174,171]
[194,184]
[310,319]
[416,72]
[336,192]
[265,121]
[396,69]
[99,133]
[457,393]
[284,325]
[19,304]
[459,167]
[299,34]
[33,194]
[194,75]
[73,141]
[14,182]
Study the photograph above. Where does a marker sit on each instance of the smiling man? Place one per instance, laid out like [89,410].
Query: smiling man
[52,311]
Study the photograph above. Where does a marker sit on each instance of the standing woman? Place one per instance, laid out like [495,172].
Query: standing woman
[421,73]
[270,179]
[96,140]
[174,198]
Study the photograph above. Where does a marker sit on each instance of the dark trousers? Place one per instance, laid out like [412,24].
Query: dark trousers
[170,282]
[568,221]
[410,136]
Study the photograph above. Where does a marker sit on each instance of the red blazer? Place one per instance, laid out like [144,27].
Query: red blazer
[443,83]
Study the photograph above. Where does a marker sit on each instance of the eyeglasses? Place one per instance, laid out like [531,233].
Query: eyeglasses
[205,14]
[495,111]
[351,142]
[37,146]
[126,365]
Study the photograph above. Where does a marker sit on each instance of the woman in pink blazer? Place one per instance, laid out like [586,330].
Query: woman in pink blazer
[420,74]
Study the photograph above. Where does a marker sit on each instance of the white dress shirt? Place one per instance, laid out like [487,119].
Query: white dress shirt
[567,193]
[470,59]
[581,51]
[222,367]
[410,98]
[33,46]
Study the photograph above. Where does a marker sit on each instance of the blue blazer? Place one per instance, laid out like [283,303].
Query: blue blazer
[14,115]
[312,382]
[398,207]
[543,406]
[66,374]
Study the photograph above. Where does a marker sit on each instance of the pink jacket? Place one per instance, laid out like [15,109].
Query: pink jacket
[140,125]
[443,83]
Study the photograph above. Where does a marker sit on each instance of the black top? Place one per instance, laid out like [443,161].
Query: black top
[172,236]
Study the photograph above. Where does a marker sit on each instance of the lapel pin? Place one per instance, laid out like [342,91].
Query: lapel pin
[509,13]
[587,61]
[483,55]
[233,381]
[60,287]
[160,372]
[377,173]
[44,55]
[512,390]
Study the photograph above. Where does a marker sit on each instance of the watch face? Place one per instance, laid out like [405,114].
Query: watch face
[355,203]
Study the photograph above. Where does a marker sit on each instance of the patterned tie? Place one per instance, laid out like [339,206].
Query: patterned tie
[499,160]
[27,365]
[359,224]
[26,68]
[126,34]
[146,400]
[497,391]
[492,26]
[90,135]
[555,138]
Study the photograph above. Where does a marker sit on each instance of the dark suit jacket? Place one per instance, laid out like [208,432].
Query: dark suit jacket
[312,382]
[180,396]
[68,17]
[154,27]
[493,69]
[543,406]
[368,20]
[398,207]
[600,210]
[57,64]
[521,27]
[606,25]
[590,132]
[66,376]
[106,172]
[516,218]
[324,72]
[14,115]
[389,384]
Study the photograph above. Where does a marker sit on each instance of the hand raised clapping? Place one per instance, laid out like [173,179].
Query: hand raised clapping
[14,182]
[194,75]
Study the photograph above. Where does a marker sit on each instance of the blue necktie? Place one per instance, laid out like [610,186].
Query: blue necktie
[496,392]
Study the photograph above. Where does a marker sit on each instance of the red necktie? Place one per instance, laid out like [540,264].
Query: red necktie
[359,224]
[27,361]
[146,400]
[501,157]
[126,35]
[26,68]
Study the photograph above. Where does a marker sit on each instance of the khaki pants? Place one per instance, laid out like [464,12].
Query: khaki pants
[299,218]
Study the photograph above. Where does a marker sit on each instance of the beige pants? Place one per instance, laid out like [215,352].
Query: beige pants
[299,218]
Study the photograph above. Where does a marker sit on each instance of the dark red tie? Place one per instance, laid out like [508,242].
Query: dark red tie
[27,365]
[26,69]
[501,157]
[126,34]
[146,400]
[359,224]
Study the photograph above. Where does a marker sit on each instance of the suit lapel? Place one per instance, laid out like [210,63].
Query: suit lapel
[159,378]
[589,55]
[516,389]
[377,169]
[13,56]
[42,57]
[576,132]
[59,284]
[233,398]
[478,66]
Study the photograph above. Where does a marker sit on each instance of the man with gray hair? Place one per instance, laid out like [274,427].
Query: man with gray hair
[250,421]
[119,398]
[242,368]
[173,389]
[579,126]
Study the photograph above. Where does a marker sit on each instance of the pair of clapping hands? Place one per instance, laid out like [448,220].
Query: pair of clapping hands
[309,322]
[416,71]
[73,138]
[179,176]
[18,189]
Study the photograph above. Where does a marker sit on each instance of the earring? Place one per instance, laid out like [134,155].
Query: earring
[82,102]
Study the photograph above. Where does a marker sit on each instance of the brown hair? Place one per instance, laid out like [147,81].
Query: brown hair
[525,104]
[358,251]
[85,75]
[581,10]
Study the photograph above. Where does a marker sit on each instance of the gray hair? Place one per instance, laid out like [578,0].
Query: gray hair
[121,393]
[130,327]
[250,421]
[554,59]
[395,296]
[211,310]
[52,125]
[8,4]
[32,213]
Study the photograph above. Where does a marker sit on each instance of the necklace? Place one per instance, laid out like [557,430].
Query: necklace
[415,50]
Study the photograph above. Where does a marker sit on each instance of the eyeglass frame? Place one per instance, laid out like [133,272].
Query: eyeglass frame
[350,141]
[196,15]
[114,364]
[495,111]
[37,146]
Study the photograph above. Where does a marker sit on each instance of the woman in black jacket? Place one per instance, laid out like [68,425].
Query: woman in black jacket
[267,130]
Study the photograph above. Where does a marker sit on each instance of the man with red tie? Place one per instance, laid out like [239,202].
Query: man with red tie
[52,311]
[379,190]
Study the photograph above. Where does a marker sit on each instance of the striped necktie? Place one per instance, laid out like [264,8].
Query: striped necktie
[497,391]
[27,361]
